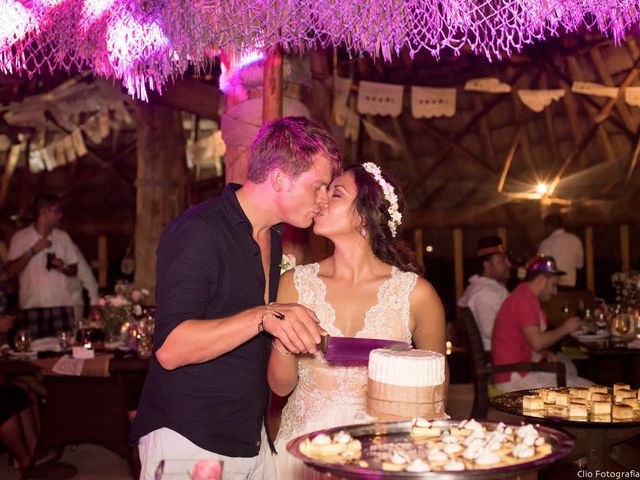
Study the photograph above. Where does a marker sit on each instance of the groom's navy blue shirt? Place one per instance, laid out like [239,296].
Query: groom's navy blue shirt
[209,266]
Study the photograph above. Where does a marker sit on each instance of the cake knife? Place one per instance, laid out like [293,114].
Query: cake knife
[355,351]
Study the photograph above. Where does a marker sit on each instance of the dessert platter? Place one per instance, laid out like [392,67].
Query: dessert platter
[616,406]
[444,449]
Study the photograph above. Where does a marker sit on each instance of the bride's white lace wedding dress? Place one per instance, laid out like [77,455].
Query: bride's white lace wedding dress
[326,395]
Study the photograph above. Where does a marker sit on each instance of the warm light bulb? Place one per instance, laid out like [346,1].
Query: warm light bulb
[429,249]
[541,188]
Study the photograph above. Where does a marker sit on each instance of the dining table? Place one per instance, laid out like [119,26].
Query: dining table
[94,404]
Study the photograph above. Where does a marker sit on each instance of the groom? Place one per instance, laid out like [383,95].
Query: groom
[206,391]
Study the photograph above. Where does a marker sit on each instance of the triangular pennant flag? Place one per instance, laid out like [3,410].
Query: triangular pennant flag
[537,100]
[380,99]
[36,164]
[433,102]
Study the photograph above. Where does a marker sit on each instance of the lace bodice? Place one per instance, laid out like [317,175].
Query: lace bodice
[329,395]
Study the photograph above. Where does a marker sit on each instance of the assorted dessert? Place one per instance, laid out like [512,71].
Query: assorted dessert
[596,403]
[438,447]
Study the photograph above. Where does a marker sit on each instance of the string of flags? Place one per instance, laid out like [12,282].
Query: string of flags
[430,102]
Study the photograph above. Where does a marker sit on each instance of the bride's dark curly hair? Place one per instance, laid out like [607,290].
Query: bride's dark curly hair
[373,208]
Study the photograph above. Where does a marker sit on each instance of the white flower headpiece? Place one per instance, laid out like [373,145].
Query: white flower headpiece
[389,195]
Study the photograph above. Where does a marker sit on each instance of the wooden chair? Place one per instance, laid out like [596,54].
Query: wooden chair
[480,363]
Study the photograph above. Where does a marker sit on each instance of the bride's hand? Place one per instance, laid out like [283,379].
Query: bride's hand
[296,326]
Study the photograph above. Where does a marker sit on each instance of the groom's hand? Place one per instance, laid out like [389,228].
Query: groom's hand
[296,326]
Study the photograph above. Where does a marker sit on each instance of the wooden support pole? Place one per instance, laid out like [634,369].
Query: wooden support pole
[272,85]
[624,248]
[103,261]
[418,241]
[513,146]
[588,254]
[458,261]
[9,168]
[502,233]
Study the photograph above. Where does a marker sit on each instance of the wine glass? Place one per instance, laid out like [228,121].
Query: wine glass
[621,324]
[22,340]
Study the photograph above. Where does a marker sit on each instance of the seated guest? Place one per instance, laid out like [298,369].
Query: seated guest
[43,257]
[520,333]
[486,290]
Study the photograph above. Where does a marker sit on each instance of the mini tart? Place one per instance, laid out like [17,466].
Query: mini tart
[579,392]
[562,399]
[620,386]
[577,410]
[578,400]
[622,412]
[598,389]
[532,402]
[393,467]
[601,408]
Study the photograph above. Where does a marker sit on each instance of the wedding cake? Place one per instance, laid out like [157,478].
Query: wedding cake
[405,384]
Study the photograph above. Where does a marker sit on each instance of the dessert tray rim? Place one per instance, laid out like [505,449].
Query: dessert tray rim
[562,445]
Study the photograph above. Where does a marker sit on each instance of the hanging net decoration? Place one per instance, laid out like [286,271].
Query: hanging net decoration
[144,43]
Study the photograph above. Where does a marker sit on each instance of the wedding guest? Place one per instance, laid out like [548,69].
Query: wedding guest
[43,257]
[520,333]
[486,290]
[206,392]
[565,247]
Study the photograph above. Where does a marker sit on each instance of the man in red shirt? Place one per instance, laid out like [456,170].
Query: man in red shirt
[520,333]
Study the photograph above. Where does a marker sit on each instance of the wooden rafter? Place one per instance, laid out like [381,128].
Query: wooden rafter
[548,122]
[405,149]
[513,146]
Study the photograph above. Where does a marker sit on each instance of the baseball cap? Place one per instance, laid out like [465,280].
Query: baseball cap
[489,246]
[543,264]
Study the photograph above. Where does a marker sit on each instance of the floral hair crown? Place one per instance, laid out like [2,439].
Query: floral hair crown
[389,195]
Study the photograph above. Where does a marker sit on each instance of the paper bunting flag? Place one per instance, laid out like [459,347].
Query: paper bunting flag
[78,142]
[379,135]
[36,164]
[342,89]
[487,85]
[632,96]
[587,88]
[379,99]
[537,100]
[433,102]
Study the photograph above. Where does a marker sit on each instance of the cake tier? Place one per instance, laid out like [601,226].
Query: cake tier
[409,368]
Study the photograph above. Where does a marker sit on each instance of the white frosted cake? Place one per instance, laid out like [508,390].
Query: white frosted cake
[405,384]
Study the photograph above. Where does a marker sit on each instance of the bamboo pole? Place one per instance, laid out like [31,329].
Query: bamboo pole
[458,261]
[418,241]
[502,233]
[624,248]
[103,261]
[588,253]
[272,85]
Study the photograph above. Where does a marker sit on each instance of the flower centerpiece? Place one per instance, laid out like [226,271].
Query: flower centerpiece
[121,307]
[627,287]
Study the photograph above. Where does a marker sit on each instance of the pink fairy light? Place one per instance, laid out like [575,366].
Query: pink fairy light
[92,10]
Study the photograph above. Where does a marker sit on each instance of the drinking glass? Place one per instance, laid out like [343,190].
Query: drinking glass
[22,340]
[621,324]
[64,340]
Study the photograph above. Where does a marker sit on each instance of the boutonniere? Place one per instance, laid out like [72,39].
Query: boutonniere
[287,263]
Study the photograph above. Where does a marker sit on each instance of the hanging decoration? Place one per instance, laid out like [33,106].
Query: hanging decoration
[486,85]
[433,102]
[380,98]
[145,43]
[587,88]
[537,100]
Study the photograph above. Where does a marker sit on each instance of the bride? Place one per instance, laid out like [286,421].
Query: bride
[368,288]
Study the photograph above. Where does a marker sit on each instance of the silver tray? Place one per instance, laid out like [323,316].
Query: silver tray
[392,432]
[512,403]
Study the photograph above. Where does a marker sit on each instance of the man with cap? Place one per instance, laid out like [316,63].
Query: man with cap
[520,333]
[486,290]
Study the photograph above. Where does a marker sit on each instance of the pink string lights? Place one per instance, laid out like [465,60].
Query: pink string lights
[145,43]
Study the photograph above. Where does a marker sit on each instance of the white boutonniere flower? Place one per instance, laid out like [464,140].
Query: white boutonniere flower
[287,263]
